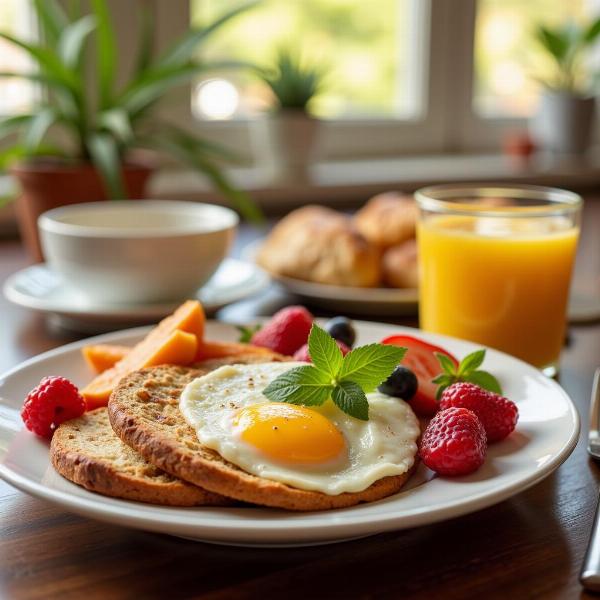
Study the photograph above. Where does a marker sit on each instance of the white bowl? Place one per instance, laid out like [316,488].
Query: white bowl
[137,250]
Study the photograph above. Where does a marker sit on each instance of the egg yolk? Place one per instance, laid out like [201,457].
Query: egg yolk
[290,433]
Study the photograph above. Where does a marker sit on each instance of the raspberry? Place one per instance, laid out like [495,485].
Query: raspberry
[497,414]
[287,330]
[302,353]
[52,401]
[453,442]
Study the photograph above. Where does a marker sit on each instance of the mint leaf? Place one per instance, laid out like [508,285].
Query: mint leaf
[485,380]
[302,385]
[466,371]
[369,365]
[246,333]
[443,379]
[350,398]
[471,362]
[440,390]
[324,352]
[446,363]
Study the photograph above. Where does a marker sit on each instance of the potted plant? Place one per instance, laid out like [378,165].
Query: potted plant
[85,143]
[565,117]
[292,130]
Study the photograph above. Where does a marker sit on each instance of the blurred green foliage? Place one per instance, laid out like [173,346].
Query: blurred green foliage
[360,43]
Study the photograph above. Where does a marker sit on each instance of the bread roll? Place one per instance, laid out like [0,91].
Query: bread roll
[400,265]
[387,219]
[320,245]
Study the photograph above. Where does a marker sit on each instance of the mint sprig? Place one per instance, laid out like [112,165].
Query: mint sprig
[467,370]
[344,379]
[246,333]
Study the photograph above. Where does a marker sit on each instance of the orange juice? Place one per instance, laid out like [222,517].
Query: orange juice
[499,281]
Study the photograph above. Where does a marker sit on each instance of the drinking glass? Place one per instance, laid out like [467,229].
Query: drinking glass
[496,265]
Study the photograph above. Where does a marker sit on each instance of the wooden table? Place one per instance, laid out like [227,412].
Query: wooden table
[530,546]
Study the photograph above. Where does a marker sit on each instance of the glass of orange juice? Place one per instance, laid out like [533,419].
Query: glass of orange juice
[496,265]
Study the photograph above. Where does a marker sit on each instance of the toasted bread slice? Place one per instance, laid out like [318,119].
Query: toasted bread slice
[144,412]
[87,452]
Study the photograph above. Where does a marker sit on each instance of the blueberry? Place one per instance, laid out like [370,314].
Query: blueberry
[402,383]
[341,329]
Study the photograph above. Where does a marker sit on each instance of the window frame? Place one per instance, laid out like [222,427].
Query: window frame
[445,34]
[378,137]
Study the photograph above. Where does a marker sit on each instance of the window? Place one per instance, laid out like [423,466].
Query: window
[507,56]
[377,71]
[405,76]
[366,54]
[16,95]
[412,76]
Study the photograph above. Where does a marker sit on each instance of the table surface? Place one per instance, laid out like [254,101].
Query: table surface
[530,546]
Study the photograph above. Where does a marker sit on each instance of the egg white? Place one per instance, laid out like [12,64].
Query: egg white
[384,445]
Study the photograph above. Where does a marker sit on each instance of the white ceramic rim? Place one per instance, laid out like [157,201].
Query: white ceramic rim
[259,281]
[310,289]
[226,219]
[311,527]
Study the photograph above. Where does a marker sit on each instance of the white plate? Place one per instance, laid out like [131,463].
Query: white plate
[356,300]
[40,288]
[546,434]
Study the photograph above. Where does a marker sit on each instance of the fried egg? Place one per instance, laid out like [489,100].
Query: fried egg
[312,448]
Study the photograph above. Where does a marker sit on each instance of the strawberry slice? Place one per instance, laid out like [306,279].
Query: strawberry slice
[420,358]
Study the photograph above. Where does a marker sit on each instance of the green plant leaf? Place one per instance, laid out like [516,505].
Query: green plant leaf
[471,362]
[17,153]
[44,79]
[351,399]
[239,199]
[47,61]
[304,385]
[324,352]
[179,148]
[592,32]
[446,363]
[14,124]
[146,35]
[70,45]
[553,41]
[37,128]
[293,83]
[106,50]
[74,9]
[52,19]
[369,365]
[183,50]
[106,158]
[200,145]
[485,380]
[116,121]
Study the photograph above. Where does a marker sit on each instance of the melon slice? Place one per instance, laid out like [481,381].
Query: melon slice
[174,340]
[209,349]
[103,356]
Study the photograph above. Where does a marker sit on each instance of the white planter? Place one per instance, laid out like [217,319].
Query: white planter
[564,123]
[286,141]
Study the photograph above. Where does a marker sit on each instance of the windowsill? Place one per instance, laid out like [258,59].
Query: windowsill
[349,182]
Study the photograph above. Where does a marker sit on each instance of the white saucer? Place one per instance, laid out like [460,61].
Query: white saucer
[546,434]
[41,289]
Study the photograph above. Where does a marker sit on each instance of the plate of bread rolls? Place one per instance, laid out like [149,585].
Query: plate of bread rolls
[364,263]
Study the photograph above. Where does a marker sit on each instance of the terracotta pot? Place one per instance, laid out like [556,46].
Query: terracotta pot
[46,185]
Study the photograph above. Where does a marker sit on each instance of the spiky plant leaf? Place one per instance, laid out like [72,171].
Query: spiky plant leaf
[106,51]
